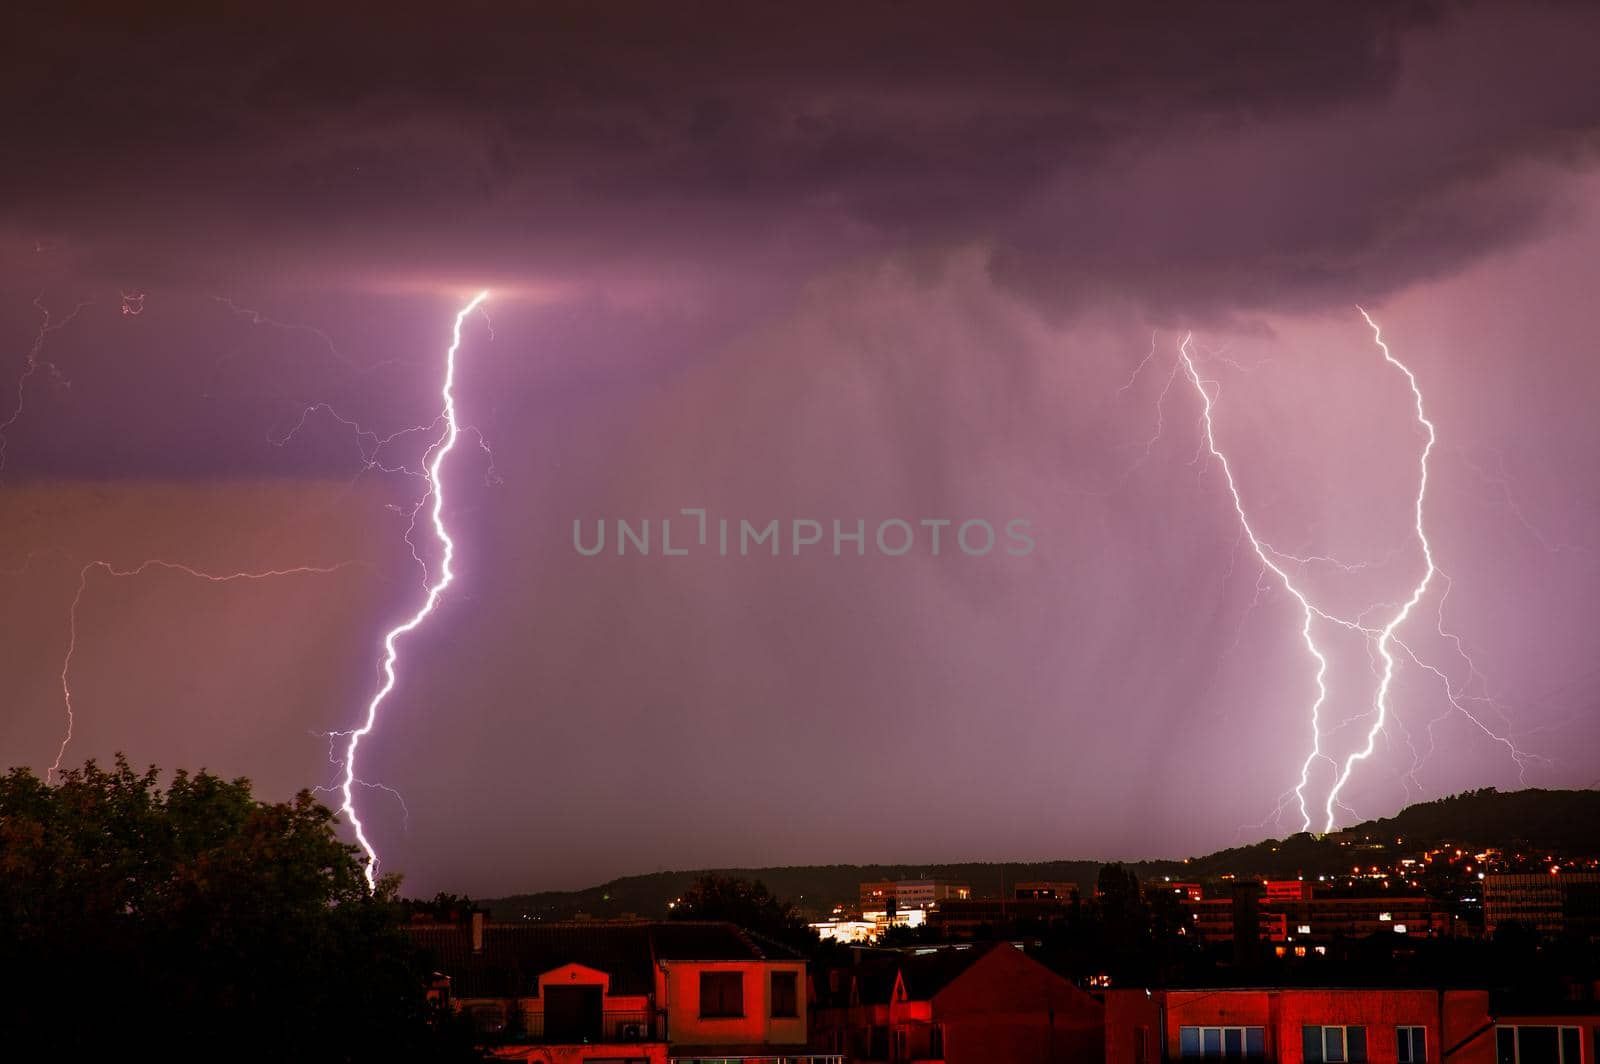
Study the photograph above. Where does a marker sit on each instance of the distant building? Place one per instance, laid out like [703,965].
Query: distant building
[644,993]
[1303,918]
[1287,890]
[974,914]
[1343,1026]
[1045,890]
[910,894]
[1562,903]
[869,927]
[975,1005]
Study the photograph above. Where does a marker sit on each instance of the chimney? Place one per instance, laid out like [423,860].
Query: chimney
[1246,922]
[477,931]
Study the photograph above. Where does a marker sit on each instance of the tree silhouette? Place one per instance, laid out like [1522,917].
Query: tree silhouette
[196,921]
[748,904]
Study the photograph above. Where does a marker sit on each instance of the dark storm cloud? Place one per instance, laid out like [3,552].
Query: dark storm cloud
[1163,145]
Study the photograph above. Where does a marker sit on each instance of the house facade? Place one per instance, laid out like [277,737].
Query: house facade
[623,993]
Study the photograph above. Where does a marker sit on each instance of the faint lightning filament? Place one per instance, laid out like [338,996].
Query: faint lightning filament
[142,567]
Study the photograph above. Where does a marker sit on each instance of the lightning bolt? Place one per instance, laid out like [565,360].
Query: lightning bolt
[1269,561]
[1382,640]
[446,575]
[1386,636]
[143,567]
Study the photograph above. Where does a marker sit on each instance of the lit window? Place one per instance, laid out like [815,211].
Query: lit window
[1335,1045]
[1386,916]
[1413,1045]
[1303,929]
[1399,929]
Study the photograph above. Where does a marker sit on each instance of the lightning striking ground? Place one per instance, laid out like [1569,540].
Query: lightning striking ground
[446,575]
[1266,555]
[1382,640]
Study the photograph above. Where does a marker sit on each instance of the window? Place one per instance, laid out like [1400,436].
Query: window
[936,1042]
[1538,1045]
[1222,1043]
[1335,1045]
[785,994]
[1413,1043]
[721,994]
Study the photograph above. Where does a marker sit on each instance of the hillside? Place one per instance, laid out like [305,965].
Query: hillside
[1529,820]
[813,888]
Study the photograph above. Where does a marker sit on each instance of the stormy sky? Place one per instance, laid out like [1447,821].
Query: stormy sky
[909,262]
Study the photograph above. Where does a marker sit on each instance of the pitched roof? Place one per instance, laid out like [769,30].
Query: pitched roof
[693,940]
[929,973]
[514,955]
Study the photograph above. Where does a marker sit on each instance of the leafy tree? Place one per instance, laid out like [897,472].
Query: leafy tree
[749,904]
[196,922]
[443,906]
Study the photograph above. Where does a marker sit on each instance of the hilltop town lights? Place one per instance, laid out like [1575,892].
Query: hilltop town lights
[892,537]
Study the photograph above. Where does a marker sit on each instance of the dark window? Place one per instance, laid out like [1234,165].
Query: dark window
[936,1042]
[1505,1040]
[1222,1043]
[1538,1045]
[785,994]
[1334,1045]
[1412,1043]
[721,994]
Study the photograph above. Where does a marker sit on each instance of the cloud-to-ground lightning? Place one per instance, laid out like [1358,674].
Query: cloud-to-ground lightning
[1266,555]
[143,567]
[435,588]
[1386,635]
[1382,639]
